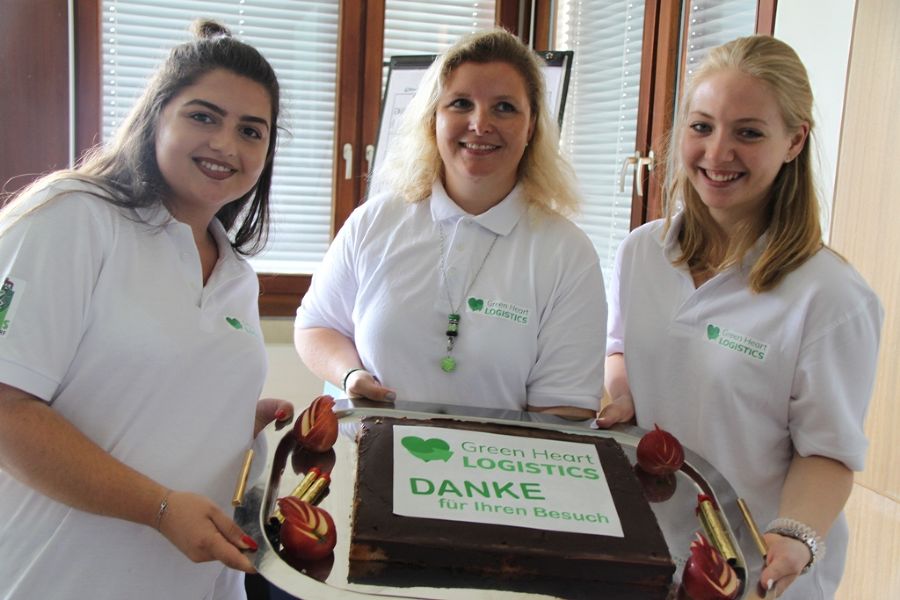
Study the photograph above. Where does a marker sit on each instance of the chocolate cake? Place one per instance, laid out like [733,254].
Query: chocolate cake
[391,549]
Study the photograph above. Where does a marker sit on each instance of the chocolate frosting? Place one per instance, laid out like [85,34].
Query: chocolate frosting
[396,550]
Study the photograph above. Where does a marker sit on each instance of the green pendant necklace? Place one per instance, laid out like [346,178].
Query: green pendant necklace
[448,363]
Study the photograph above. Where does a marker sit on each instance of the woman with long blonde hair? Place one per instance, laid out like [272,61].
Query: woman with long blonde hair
[463,282]
[735,328]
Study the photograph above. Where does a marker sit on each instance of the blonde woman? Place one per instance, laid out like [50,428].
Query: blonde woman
[464,283]
[735,328]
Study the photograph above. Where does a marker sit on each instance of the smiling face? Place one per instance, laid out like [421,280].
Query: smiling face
[483,125]
[211,143]
[734,144]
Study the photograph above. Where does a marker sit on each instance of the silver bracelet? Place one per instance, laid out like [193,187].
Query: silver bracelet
[801,532]
[163,507]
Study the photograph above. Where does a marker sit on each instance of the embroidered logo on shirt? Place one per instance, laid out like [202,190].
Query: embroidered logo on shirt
[737,342]
[237,324]
[499,310]
[10,296]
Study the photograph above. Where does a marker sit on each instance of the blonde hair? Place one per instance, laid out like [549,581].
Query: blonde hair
[413,163]
[791,216]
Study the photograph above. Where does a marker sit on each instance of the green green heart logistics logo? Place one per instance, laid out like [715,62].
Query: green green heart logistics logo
[476,304]
[234,322]
[712,332]
[427,450]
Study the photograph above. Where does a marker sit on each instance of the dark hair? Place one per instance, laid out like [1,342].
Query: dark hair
[126,167]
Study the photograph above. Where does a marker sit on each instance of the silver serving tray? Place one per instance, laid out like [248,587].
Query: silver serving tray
[285,465]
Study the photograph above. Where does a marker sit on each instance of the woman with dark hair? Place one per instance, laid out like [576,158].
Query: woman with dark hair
[131,360]
[734,327]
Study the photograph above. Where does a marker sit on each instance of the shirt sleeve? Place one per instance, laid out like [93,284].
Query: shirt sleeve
[569,366]
[331,297]
[833,385]
[51,255]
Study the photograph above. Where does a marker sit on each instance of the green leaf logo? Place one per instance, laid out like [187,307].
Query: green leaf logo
[427,450]
[476,304]
[234,322]
[712,332]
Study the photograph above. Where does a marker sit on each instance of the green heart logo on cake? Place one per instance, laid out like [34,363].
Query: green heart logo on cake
[427,450]
[476,304]
[712,332]
[234,322]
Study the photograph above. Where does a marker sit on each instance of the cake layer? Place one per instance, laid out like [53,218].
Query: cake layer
[397,550]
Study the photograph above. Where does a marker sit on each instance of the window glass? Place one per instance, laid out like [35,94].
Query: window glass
[600,127]
[299,38]
[427,27]
[600,124]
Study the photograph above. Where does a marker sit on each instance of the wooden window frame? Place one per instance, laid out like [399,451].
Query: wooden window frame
[35,74]
[358,100]
[280,294]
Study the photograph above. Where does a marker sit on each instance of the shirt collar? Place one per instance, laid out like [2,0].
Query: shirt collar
[672,248]
[669,242]
[221,237]
[499,219]
[159,215]
[156,214]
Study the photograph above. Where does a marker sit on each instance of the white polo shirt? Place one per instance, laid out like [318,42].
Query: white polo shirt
[743,379]
[110,324]
[533,323]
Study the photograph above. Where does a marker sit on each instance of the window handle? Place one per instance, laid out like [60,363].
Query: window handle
[348,160]
[631,160]
[370,155]
[646,161]
[639,163]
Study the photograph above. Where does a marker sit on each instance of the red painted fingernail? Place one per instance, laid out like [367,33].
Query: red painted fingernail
[250,543]
[280,414]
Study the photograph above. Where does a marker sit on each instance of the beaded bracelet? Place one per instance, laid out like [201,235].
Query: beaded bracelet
[347,376]
[163,507]
[802,532]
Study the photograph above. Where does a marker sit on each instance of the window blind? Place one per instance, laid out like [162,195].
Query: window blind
[414,28]
[600,125]
[711,23]
[428,27]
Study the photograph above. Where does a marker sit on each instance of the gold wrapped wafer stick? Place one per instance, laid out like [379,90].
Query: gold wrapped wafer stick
[754,530]
[306,482]
[301,488]
[241,484]
[315,490]
[715,529]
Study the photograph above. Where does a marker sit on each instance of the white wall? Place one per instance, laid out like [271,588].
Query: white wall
[288,376]
[820,32]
